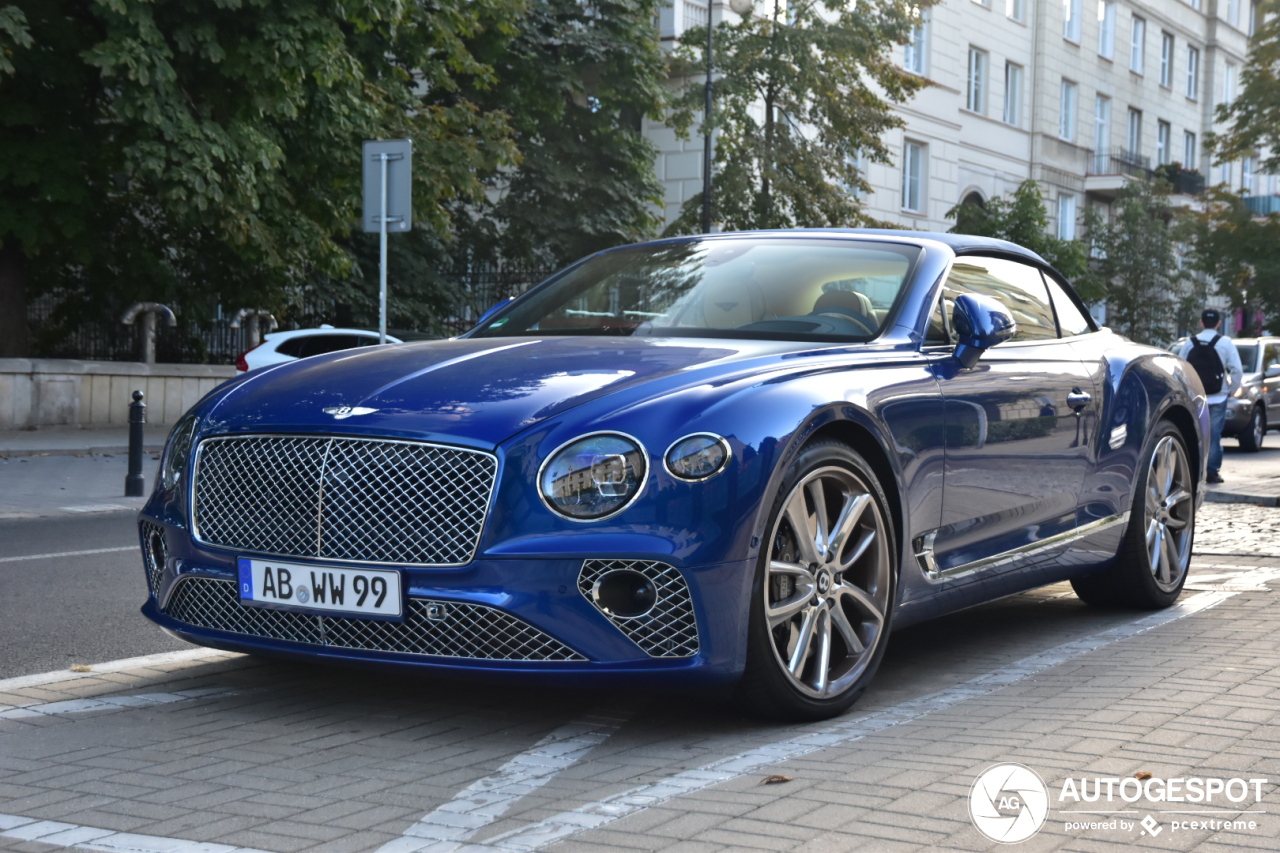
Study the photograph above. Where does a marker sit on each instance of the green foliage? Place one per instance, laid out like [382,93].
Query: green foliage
[577,80]
[1022,219]
[802,89]
[187,147]
[1137,258]
[1238,251]
[1252,120]
[13,34]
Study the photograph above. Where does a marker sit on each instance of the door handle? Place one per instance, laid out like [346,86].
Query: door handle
[1078,399]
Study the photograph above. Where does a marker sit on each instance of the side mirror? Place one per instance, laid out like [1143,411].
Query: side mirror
[981,322]
[493,309]
[1272,371]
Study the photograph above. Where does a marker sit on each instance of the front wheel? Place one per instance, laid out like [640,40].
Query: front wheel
[824,589]
[1156,552]
[1251,437]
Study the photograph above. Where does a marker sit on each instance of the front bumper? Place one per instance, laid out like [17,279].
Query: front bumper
[495,617]
[1239,413]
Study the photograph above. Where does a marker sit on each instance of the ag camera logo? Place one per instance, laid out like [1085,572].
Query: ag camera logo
[1008,803]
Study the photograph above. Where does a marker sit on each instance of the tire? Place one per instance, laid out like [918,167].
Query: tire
[1161,522]
[821,604]
[1251,436]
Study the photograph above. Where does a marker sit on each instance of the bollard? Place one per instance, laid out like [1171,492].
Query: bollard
[134,486]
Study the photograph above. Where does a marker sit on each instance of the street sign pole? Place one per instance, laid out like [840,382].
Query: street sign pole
[388,203]
[382,256]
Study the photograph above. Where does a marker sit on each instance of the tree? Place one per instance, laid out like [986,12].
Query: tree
[802,90]
[1022,219]
[1136,255]
[214,148]
[1253,119]
[1239,252]
[577,80]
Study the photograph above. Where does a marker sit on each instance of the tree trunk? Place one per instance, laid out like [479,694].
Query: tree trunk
[13,302]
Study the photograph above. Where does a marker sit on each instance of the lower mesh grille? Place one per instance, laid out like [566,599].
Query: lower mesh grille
[669,630]
[154,552]
[453,630]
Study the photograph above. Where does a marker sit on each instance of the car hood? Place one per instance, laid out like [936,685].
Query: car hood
[479,390]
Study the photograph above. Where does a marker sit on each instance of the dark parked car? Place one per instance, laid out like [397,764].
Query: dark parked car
[739,459]
[1254,407]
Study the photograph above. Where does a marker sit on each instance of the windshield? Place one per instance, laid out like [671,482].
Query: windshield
[758,287]
[1248,355]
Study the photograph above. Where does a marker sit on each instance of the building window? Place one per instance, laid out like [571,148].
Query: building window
[1224,174]
[1016,9]
[857,166]
[1193,73]
[1163,135]
[1101,133]
[913,172]
[1166,60]
[1253,17]
[1195,4]
[1138,45]
[695,15]
[1107,28]
[1013,94]
[1248,180]
[1133,139]
[913,58]
[1073,11]
[1067,112]
[976,99]
[1228,83]
[1233,12]
[1190,153]
[1066,217]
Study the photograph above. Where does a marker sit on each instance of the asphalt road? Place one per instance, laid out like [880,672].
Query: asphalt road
[64,610]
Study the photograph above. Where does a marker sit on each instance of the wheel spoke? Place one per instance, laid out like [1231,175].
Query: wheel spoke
[798,515]
[862,601]
[858,550]
[822,671]
[1175,523]
[821,526]
[1168,465]
[1177,496]
[1153,527]
[1170,559]
[1155,547]
[841,621]
[847,522]
[801,651]
[1153,500]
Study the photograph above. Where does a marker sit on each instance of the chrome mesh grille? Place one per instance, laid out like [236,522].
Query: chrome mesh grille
[148,530]
[372,500]
[670,629]
[436,628]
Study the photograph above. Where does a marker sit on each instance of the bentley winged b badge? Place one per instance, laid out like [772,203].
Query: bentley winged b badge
[340,412]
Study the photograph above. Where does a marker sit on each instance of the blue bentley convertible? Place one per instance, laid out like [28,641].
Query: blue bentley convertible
[739,459]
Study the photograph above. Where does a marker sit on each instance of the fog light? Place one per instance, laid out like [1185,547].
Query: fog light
[625,594]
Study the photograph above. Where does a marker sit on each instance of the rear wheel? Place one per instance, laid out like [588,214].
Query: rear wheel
[1252,435]
[824,589]
[1156,552]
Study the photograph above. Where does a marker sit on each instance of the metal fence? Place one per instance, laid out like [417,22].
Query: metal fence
[211,340]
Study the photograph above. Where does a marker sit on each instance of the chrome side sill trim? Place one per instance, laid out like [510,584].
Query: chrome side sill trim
[929,565]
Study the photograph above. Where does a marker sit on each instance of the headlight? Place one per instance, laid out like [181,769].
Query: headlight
[1239,392]
[698,457]
[177,451]
[594,476]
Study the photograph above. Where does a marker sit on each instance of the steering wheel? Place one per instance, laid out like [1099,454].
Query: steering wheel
[867,325]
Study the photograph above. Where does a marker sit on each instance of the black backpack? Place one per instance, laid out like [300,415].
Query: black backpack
[1205,359]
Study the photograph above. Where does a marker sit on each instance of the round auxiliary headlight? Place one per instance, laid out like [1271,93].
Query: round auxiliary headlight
[177,451]
[697,457]
[594,476]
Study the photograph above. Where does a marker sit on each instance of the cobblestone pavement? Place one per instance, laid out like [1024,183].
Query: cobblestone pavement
[208,751]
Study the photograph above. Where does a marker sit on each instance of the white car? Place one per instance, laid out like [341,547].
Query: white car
[300,343]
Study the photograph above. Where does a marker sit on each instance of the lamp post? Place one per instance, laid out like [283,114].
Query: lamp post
[743,8]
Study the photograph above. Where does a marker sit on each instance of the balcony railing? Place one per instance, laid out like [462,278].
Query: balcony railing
[1120,161]
[1263,205]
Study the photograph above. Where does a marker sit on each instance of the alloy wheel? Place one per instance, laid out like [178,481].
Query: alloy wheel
[1169,514]
[827,587]
[1259,425]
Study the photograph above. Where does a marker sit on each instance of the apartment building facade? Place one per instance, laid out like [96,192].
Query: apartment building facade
[1080,95]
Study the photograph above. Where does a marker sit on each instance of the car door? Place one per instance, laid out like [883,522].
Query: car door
[1271,385]
[1017,432]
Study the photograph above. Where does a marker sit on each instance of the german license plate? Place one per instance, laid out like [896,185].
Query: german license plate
[359,592]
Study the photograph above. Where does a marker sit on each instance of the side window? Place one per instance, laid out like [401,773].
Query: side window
[1019,287]
[1272,356]
[321,344]
[937,335]
[292,347]
[1071,319]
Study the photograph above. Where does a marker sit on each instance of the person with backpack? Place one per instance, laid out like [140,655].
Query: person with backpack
[1217,362]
